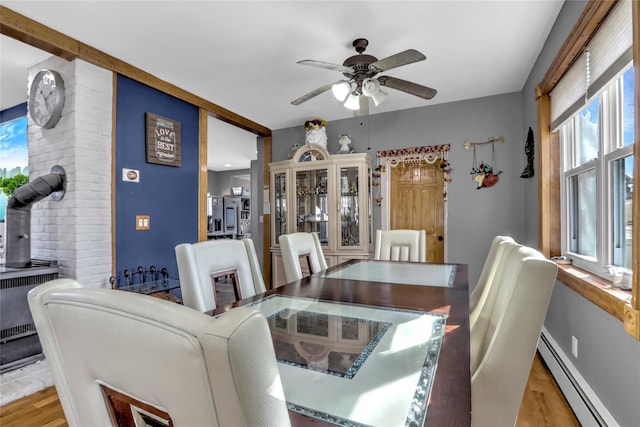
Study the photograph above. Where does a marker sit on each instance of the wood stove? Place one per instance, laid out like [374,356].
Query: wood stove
[19,343]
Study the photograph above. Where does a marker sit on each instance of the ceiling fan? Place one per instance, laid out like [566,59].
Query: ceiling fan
[361,82]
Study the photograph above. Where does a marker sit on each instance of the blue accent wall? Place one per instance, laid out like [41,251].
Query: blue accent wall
[169,195]
[19,110]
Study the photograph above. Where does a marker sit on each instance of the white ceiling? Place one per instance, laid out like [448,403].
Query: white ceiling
[230,148]
[242,55]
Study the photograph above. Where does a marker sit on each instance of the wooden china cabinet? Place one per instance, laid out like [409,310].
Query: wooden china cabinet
[326,193]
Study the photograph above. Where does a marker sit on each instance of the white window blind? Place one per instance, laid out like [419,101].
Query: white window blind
[609,52]
[569,90]
[608,45]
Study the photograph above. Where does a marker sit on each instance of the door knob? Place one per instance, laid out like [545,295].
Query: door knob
[440,238]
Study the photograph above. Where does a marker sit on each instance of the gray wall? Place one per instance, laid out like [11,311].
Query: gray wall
[474,216]
[608,357]
[220,183]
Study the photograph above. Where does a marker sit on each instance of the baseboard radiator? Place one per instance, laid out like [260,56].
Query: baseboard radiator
[583,401]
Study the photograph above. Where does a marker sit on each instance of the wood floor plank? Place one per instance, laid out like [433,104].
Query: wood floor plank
[543,405]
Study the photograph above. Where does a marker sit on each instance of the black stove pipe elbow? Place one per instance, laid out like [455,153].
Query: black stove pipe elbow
[18,215]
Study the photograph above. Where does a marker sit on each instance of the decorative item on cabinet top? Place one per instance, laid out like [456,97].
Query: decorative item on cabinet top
[310,152]
[315,132]
[344,141]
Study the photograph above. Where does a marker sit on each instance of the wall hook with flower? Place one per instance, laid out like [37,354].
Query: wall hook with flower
[484,174]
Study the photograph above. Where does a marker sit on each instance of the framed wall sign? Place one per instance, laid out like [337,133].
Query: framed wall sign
[163,141]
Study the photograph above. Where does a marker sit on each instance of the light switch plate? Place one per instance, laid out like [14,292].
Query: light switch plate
[143,222]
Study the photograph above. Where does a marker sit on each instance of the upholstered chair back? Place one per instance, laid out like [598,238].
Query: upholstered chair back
[118,354]
[305,245]
[481,301]
[488,269]
[401,245]
[503,343]
[199,264]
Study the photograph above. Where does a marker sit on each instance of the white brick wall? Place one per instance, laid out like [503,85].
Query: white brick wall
[76,231]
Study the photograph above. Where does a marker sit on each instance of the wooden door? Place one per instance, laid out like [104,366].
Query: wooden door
[417,203]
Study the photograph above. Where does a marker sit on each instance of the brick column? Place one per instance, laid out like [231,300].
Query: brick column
[76,231]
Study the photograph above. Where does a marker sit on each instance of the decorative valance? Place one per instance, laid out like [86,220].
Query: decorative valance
[413,157]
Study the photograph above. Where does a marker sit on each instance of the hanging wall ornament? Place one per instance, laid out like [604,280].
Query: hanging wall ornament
[529,150]
[484,174]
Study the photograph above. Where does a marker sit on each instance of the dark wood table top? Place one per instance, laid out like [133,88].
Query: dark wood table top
[450,399]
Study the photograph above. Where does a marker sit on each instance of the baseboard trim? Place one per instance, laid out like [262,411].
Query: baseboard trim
[583,400]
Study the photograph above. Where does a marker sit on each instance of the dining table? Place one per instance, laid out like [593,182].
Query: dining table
[373,343]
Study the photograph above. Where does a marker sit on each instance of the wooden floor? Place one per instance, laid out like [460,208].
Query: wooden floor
[543,405]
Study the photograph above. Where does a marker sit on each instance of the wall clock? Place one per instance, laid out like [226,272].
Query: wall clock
[46,98]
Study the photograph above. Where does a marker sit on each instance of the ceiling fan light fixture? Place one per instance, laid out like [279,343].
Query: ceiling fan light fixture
[341,90]
[379,97]
[370,87]
[353,101]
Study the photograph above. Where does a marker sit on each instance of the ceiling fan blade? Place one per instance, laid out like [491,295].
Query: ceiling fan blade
[409,56]
[408,87]
[312,94]
[326,65]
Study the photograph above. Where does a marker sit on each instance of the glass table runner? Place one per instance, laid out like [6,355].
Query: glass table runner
[354,365]
[440,275]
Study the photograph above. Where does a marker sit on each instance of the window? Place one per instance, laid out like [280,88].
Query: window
[597,178]
[14,158]
[554,110]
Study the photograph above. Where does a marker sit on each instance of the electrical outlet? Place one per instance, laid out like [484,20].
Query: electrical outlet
[574,346]
[143,222]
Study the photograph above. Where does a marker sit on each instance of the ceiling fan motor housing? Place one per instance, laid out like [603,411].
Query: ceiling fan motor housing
[360,65]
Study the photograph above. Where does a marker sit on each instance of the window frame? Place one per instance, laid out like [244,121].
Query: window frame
[624,306]
[610,149]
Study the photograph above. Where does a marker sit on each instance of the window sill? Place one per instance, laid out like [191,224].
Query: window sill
[596,289]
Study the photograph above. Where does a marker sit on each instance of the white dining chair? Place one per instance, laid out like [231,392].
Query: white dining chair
[295,246]
[401,245]
[492,265]
[505,337]
[122,358]
[200,264]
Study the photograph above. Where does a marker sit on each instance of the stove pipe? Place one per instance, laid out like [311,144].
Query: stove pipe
[18,215]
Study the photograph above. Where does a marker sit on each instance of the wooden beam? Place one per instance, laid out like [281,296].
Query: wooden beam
[593,15]
[33,33]
[28,31]
[114,172]
[548,182]
[203,179]
[266,218]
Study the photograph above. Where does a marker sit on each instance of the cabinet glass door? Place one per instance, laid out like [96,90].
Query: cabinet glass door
[280,202]
[349,207]
[311,203]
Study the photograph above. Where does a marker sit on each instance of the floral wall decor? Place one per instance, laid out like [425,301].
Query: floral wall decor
[484,174]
